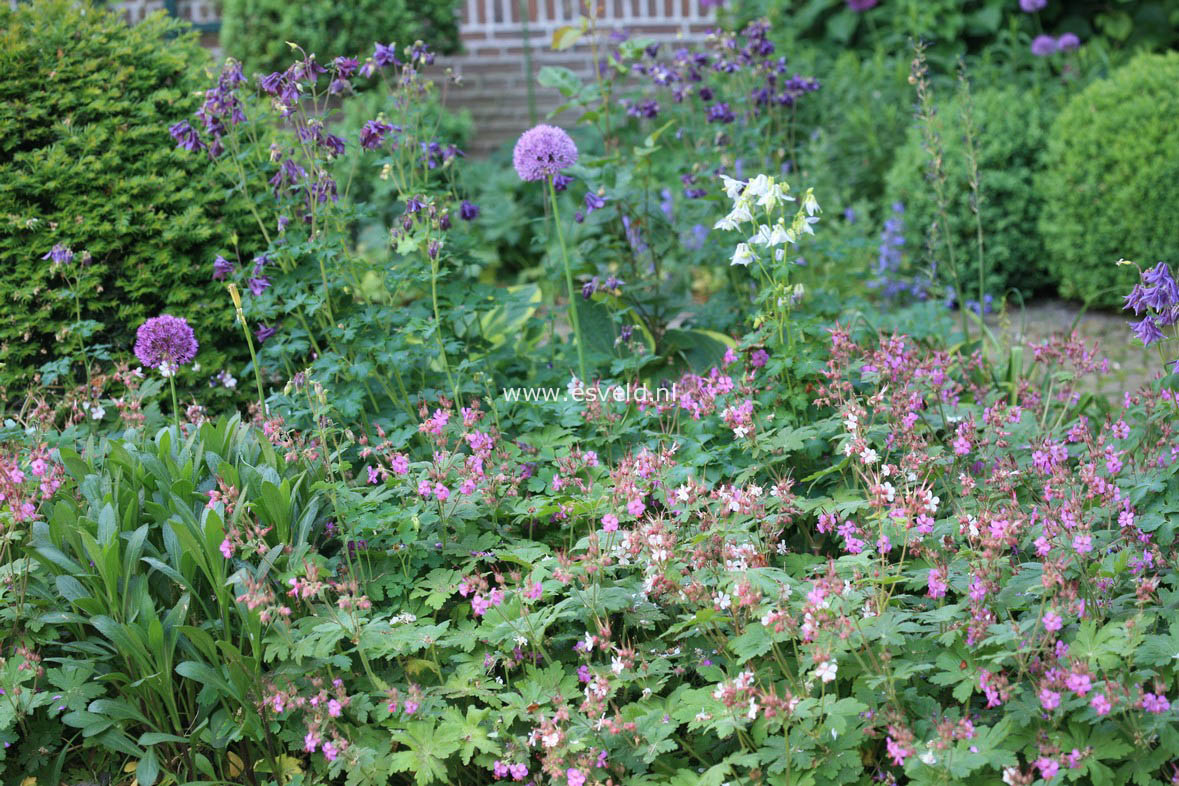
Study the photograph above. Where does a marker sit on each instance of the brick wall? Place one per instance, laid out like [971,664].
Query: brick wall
[493,64]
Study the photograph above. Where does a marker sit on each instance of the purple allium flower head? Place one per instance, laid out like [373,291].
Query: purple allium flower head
[1032,6]
[1044,45]
[861,5]
[165,342]
[1068,42]
[468,211]
[542,152]
[222,267]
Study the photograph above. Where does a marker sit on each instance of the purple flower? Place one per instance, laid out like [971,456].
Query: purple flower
[1032,6]
[262,332]
[222,267]
[542,152]
[1147,331]
[372,135]
[186,137]
[258,285]
[721,113]
[346,66]
[385,54]
[165,342]
[561,182]
[468,211]
[1068,42]
[1044,45]
[593,202]
[861,5]
[61,255]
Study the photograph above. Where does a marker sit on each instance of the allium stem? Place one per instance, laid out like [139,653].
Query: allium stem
[568,281]
[175,406]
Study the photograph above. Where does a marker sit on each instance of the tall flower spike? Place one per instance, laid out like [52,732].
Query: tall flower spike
[543,151]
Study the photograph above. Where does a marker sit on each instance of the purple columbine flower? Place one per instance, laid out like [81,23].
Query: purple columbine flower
[258,285]
[561,182]
[61,255]
[593,202]
[861,5]
[186,137]
[385,54]
[1032,6]
[372,135]
[222,267]
[346,66]
[1044,45]
[1068,42]
[1147,331]
[542,152]
[165,342]
[468,211]
[262,332]
[721,113]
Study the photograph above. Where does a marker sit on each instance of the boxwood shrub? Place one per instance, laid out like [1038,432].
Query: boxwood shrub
[1010,126]
[1110,187]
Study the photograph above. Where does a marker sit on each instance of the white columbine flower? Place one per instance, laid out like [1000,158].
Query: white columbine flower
[732,187]
[809,203]
[764,236]
[779,235]
[760,186]
[743,255]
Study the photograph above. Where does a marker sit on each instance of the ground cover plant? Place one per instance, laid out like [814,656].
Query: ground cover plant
[665,447]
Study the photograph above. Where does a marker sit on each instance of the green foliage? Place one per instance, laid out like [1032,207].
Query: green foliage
[257,31]
[86,161]
[1110,188]
[860,117]
[971,26]
[1010,127]
[128,584]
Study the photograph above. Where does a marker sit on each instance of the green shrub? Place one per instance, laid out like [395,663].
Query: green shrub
[257,31]
[1110,186]
[1009,134]
[857,123]
[86,161]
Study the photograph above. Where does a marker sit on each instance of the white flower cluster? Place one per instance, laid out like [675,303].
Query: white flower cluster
[761,198]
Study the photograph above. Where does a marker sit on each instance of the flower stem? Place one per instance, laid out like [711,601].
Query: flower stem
[568,281]
[175,406]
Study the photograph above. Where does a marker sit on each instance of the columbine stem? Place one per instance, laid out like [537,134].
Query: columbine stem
[568,281]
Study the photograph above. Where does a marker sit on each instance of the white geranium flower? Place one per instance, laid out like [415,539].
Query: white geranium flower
[826,670]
